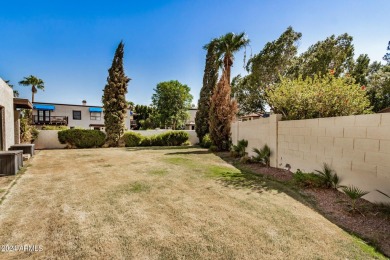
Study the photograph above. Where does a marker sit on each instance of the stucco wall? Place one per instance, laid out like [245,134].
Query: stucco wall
[7,102]
[48,139]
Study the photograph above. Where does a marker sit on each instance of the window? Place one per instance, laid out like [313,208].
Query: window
[76,115]
[96,115]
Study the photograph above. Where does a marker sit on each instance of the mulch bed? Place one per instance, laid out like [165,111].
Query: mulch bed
[371,222]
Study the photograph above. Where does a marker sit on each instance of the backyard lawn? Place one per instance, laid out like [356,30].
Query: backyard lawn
[156,203]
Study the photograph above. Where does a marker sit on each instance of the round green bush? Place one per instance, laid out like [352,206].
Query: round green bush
[206,141]
[132,139]
[81,138]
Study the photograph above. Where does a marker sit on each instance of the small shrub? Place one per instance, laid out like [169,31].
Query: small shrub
[329,177]
[308,180]
[239,149]
[146,141]
[213,148]
[156,140]
[80,138]
[206,141]
[354,193]
[187,143]
[54,127]
[174,138]
[131,139]
[263,156]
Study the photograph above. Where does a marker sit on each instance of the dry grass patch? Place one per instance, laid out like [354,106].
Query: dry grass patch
[160,204]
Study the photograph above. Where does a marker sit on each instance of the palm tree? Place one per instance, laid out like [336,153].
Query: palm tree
[227,45]
[35,83]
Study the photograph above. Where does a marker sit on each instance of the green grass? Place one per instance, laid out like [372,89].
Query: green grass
[368,249]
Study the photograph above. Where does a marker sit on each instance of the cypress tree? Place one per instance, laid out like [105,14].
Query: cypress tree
[114,100]
[210,78]
[222,112]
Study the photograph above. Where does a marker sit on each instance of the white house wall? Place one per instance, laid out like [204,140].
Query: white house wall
[7,102]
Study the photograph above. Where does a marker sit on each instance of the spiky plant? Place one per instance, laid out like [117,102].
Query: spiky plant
[239,149]
[263,155]
[329,177]
[354,193]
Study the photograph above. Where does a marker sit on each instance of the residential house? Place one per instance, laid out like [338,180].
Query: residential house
[71,115]
[190,123]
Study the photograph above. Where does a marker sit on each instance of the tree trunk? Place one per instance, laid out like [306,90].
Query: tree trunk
[228,63]
[33,91]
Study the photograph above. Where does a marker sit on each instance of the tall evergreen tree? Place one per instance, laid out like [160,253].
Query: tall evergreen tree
[222,113]
[114,100]
[210,78]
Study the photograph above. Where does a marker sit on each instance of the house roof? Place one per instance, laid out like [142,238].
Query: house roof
[22,103]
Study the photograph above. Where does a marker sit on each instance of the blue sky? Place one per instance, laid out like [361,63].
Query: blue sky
[70,44]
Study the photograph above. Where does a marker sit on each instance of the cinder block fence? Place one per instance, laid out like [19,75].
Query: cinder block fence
[357,147]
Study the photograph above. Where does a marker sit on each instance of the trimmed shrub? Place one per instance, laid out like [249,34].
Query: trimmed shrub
[174,138]
[309,180]
[146,141]
[156,140]
[132,139]
[206,141]
[81,138]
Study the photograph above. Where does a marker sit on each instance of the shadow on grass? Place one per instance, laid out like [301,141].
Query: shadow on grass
[158,148]
[190,152]
[245,178]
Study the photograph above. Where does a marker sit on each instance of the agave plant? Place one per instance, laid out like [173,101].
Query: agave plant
[329,177]
[263,155]
[354,193]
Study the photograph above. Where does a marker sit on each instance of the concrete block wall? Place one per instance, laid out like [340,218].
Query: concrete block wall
[357,147]
[258,132]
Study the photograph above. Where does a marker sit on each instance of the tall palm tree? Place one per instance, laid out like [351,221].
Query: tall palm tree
[228,44]
[35,83]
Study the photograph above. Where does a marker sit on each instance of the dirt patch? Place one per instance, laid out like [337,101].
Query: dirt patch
[371,222]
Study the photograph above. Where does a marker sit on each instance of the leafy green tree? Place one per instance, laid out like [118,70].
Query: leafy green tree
[114,100]
[210,78]
[144,117]
[265,68]
[360,70]
[387,55]
[35,83]
[227,45]
[171,101]
[249,96]
[334,53]
[222,113]
[325,96]
[378,88]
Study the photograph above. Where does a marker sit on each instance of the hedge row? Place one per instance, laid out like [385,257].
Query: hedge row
[172,138]
[80,138]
